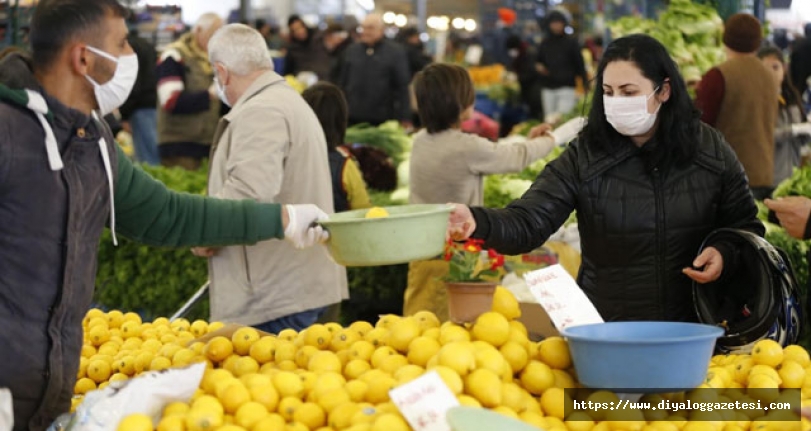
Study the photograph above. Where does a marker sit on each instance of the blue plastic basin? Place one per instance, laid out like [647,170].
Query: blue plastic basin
[642,357]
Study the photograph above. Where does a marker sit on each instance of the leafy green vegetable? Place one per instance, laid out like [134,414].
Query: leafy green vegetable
[389,137]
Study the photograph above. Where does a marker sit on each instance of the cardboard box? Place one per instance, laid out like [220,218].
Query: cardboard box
[538,323]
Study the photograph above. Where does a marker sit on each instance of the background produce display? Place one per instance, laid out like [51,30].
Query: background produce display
[333,377]
[691,32]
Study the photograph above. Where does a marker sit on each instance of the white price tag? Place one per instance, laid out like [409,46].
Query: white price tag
[424,402]
[561,297]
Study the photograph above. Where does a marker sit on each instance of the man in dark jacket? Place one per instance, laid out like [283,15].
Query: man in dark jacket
[559,63]
[139,110]
[64,178]
[375,77]
[306,51]
[415,50]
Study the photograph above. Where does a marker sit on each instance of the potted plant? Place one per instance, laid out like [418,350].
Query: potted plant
[472,277]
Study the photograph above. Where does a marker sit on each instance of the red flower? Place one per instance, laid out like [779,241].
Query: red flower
[473,245]
[492,253]
[498,262]
[448,256]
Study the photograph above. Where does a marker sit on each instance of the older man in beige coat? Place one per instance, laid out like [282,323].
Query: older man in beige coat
[270,147]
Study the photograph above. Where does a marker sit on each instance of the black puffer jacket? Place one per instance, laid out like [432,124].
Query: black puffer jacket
[639,225]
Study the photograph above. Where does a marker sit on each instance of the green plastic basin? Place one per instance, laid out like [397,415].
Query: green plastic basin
[410,232]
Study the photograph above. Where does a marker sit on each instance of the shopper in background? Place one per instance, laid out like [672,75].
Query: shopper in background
[306,51]
[64,179]
[560,64]
[648,182]
[523,65]
[271,35]
[329,104]
[188,104]
[792,131]
[800,63]
[374,77]
[269,148]
[448,165]
[337,40]
[415,50]
[738,98]
[138,113]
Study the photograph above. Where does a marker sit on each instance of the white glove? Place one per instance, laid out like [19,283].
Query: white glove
[301,229]
[801,129]
[568,131]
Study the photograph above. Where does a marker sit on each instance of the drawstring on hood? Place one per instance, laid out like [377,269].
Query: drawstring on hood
[105,157]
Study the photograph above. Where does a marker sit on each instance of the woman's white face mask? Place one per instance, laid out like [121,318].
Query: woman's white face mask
[629,115]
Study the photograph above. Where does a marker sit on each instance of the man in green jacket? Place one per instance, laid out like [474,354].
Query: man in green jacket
[63,178]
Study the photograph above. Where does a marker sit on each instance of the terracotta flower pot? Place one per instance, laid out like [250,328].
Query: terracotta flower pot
[468,300]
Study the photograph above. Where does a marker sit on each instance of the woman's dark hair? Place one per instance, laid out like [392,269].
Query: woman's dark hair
[297,18]
[443,92]
[787,89]
[678,122]
[329,104]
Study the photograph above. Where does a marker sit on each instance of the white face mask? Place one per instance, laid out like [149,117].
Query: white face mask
[629,115]
[113,93]
[221,92]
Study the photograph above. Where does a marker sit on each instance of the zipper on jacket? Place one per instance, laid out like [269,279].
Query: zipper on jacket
[660,240]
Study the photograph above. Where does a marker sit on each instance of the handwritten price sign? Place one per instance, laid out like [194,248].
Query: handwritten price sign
[424,402]
[561,297]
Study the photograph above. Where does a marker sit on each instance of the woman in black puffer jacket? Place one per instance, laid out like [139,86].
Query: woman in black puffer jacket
[649,182]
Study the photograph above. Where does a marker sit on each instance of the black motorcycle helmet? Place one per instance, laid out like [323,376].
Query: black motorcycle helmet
[759,301]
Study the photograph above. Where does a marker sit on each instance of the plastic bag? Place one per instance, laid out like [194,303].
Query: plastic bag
[148,394]
[6,411]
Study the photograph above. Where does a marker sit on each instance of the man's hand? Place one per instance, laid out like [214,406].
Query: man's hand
[540,130]
[204,251]
[300,225]
[792,212]
[540,68]
[710,264]
[461,224]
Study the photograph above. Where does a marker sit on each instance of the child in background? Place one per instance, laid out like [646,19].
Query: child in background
[791,134]
[448,165]
[348,189]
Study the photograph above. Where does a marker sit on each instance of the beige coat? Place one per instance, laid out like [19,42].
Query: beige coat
[271,148]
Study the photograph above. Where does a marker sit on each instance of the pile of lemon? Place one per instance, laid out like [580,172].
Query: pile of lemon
[330,378]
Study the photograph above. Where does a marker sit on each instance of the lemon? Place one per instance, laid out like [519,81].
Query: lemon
[431,333]
[82,367]
[243,338]
[266,395]
[579,421]
[740,373]
[390,422]
[381,353]
[797,354]
[378,391]
[218,349]
[361,327]
[341,416]
[365,415]
[512,396]
[318,336]
[303,355]
[458,357]
[311,415]
[767,352]
[357,390]
[467,400]
[324,361]
[248,414]
[408,373]
[601,398]
[762,387]
[136,422]
[422,349]
[98,335]
[83,386]
[330,399]
[263,350]
[93,312]
[203,420]
[491,359]
[288,406]
[234,396]
[151,345]
[766,371]
[485,386]
[506,411]
[288,384]
[377,212]
[355,368]
[176,408]
[625,420]
[402,332]
[377,337]
[792,374]
[564,380]
[88,350]
[285,351]
[504,303]
[115,318]
[492,328]
[554,351]
[98,370]
[426,320]
[271,422]
[362,350]
[450,333]
[130,329]
[537,377]
[392,363]
[451,378]
[554,401]
[172,423]
[515,355]
[533,418]
[344,339]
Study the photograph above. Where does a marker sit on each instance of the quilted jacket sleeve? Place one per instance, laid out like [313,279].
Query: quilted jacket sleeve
[526,223]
